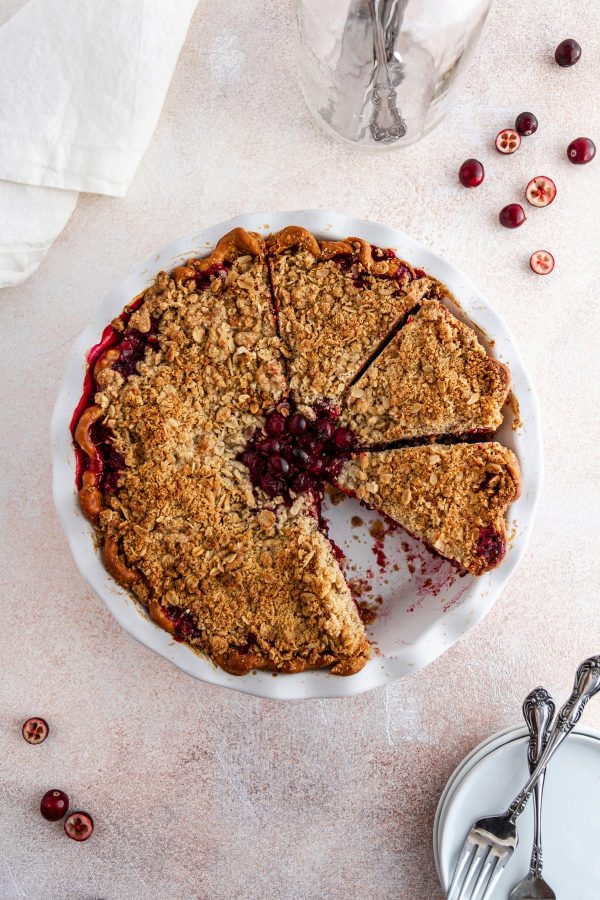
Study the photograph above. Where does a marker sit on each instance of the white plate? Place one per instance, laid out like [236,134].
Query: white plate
[570,819]
[423,611]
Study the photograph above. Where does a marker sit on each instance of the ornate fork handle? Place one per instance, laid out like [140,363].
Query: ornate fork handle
[538,712]
[587,684]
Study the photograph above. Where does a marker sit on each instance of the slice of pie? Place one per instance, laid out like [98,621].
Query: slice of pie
[454,498]
[336,301]
[434,378]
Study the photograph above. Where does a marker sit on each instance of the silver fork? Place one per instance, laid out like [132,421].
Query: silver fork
[491,841]
[538,712]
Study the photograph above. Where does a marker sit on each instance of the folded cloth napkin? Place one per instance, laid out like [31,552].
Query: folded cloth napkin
[82,83]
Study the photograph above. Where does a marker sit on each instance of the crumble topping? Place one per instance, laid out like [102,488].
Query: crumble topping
[433,378]
[454,498]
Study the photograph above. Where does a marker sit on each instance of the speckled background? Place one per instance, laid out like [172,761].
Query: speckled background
[198,792]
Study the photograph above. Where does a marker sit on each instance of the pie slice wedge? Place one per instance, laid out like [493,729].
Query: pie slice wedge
[336,301]
[434,378]
[453,498]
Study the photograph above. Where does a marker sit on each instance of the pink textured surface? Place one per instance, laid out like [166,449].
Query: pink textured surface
[197,792]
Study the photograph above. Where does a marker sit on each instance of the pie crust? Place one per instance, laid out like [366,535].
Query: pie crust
[179,398]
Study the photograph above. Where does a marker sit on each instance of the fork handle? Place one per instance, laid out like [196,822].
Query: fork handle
[587,684]
[538,712]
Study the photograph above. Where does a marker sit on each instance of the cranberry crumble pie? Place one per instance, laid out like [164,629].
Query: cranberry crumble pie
[225,397]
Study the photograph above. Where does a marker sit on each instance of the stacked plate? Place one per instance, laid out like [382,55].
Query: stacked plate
[489,778]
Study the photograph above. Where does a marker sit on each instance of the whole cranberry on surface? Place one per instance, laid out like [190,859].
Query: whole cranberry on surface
[512,216]
[54,805]
[471,173]
[526,123]
[79,826]
[35,730]
[581,151]
[567,53]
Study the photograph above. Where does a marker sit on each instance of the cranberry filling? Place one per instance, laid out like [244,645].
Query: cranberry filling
[108,463]
[348,262]
[203,279]
[183,624]
[294,454]
[490,545]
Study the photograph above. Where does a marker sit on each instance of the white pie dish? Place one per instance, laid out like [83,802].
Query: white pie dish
[421,614]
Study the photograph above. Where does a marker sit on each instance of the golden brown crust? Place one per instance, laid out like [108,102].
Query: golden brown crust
[454,497]
[115,565]
[434,378]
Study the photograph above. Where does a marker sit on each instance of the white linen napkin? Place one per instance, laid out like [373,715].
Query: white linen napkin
[82,83]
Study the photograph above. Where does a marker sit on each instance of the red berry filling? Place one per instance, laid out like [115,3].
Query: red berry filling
[35,730]
[490,545]
[305,453]
[203,279]
[183,624]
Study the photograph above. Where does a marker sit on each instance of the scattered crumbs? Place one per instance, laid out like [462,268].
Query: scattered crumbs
[380,557]
[514,405]
[377,529]
[367,612]
[335,495]
[359,586]
[356,521]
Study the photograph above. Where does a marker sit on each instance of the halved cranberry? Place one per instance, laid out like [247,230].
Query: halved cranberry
[277,465]
[567,53]
[315,465]
[344,439]
[275,424]
[526,123]
[512,216]
[540,191]
[471,173]
[508,140]
[79,826]
[297,424]
[542,262]
[54,804]
[35,730]
[581,151]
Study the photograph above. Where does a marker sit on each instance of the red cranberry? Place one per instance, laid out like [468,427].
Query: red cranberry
[471,173]
[512,216]
[275,424]
[526,123]
[35,730]
[507,141]
[343,439]
[315,465]
[79,826]
[297,424]
[582,150]
[300,483]
[53,805]
[567,53]
[542,262]
[271,445]
[272,485]
[255,463]
[540,191]
[300,457]
[278,465]
[323,429]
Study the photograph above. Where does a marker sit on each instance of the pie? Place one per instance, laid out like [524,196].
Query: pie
[225,397]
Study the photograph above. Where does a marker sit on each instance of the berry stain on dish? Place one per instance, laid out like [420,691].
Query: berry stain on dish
[581,151]
[35,730]
[54,805]
[512,216]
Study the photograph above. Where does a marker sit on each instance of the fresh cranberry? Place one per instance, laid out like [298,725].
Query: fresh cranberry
[79,826]
[53,805]
[297,424]
[471,173]
[343,439]
[542,262]
[277,465]
[526,123]
[582,150]
[512,216]
[540,191]
[567,53]
[275,424]
[35,730]
[508,140]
